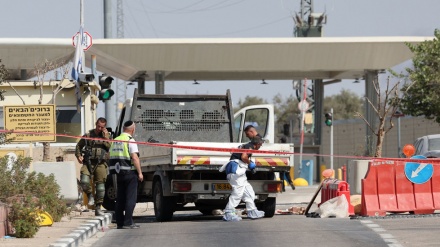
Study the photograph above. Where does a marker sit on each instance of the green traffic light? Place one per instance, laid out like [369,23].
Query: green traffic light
[328,119]
[106,94]
[328,122]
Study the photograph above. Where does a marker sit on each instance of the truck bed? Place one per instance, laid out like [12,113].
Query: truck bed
[196,159]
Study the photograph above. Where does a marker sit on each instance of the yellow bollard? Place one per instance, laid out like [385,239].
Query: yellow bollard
[339,174]
[292,173]
[321,169]
[300,182]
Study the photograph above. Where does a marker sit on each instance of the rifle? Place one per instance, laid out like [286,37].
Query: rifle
[87,154]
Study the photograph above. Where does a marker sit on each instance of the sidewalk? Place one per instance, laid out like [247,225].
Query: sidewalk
[79,226]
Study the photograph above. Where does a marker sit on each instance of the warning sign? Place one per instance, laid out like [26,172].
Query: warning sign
[33,119]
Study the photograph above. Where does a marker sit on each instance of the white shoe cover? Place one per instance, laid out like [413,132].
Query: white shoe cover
[231,217]
[255,214]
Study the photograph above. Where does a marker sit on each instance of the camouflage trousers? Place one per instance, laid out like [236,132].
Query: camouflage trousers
[99,178]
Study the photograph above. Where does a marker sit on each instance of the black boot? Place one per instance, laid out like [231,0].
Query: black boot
[98,210]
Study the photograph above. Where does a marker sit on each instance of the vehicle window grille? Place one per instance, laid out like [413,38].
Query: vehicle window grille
[182,120]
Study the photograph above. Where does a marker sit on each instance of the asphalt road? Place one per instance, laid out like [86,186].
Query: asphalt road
[191,229]
[281,230]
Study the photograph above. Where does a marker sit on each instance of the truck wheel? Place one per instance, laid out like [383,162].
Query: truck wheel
[109,202]
[163,205]
[268,206]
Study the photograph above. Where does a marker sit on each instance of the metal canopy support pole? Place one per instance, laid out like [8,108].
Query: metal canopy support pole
[370,93]
[318,96]
[141,85]
[160,84]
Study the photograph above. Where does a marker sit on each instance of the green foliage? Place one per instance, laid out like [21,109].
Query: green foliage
[285,108]
[23,216]
[255,115]
[47,190]
[37,192]
[4,74]
[422,98]
[4,138]
[249,100]
[345,104]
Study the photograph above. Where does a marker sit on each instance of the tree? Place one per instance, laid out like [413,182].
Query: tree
[3,76]
[285,108]
[42,69]
[345,104]
[421,95]
[387,104]
[249,100]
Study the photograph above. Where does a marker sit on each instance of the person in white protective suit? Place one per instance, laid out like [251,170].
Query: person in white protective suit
[241,189]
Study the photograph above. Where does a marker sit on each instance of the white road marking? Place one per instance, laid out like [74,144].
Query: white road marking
[388,238]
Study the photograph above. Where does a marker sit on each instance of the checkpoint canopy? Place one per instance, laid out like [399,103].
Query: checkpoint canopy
[217,58]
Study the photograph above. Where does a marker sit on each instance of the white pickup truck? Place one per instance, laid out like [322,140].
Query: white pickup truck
[176,177]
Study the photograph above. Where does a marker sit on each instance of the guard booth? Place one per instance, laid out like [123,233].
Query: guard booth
[58,113]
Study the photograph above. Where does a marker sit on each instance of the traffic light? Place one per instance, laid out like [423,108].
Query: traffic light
[328,119]
[106,92]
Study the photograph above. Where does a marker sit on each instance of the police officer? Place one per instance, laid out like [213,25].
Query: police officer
[124,162]
[97,150]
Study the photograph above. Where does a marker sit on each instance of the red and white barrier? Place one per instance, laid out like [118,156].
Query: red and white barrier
[332,188]
[386,188]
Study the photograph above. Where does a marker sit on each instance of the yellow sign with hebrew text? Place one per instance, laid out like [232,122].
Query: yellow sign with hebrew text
[33,121]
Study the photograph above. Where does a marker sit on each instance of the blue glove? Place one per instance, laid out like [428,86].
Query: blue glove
[252,165]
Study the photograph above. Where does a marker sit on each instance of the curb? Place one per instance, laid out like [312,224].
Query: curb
[84,231]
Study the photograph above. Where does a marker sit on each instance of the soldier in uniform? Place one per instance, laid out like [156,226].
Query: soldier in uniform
[97,150]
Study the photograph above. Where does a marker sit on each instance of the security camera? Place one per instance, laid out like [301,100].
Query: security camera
[83,77]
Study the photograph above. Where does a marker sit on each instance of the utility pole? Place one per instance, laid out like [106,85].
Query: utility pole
[309,24]
[121,92]
[109,104]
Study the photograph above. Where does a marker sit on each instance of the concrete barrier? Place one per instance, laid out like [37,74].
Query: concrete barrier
[65,175]
[356,171]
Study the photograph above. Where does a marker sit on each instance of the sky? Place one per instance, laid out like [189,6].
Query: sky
[222,19]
